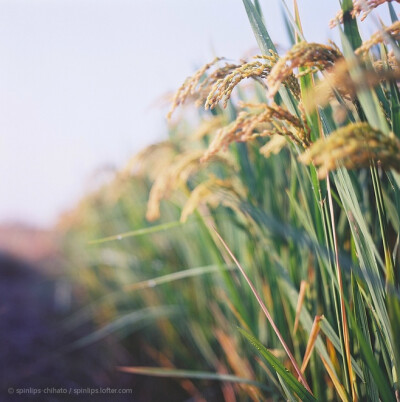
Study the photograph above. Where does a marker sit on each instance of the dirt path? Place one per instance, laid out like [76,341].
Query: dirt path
[32,342]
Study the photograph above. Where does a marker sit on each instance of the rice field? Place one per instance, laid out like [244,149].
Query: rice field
[254,254]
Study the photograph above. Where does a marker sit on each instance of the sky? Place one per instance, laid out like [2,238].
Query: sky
[79,80]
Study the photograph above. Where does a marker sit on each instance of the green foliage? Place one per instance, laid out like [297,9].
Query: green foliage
[310,243]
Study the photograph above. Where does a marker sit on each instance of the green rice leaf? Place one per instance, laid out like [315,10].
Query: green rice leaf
[350,25]
[129,322]
[175,276]
[198,375]
[289,379]
[369,358]
[138,232]
[392,12]
[265,44]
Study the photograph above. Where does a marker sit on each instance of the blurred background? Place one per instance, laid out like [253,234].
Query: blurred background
[84,85]
[81,82]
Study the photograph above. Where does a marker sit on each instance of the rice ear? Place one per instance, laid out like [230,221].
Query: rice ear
[303,54]
[354,146]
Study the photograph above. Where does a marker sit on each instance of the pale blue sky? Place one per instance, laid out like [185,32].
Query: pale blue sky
[77,78]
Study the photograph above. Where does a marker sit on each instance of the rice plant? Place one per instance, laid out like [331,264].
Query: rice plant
[258,247]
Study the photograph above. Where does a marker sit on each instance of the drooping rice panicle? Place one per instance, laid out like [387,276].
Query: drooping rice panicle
[189,86]
[214,192]
[353,146]
[379,37]
[383,66]
[230,133]
[262,120]
[151,160]
[273,146]
[179,171]
[209,126]
[261,68]
[312,55]
[223,88]
[360,8]
[224,77]
[283,122]
[291,82]
[219,84]
[207,84]
[339,79]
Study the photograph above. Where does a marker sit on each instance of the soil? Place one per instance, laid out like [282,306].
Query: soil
[34,352]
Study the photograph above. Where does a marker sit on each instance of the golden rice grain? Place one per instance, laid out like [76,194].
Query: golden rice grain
[262,120]
[218,84]
[339,79]
[273,146]
[354,146]
[214,192]
[189,86]
[175,175]
[222,89]
[303,54]
[379,37]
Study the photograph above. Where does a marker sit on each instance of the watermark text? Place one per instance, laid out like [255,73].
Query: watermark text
[70,391]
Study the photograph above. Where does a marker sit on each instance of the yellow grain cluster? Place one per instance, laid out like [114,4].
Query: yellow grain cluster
[222,89]
[176,174]
[209,126]
[214,192]
[273,146]
[339,79]
[378,37]
[383,66]
[189,86]
[353,146]
[151,160]
[219,83]
[311,55]
[260,121]
[259,69]
[209,81]
[360,8]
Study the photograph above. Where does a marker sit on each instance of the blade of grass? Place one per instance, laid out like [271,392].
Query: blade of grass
[175,276]
[338,386]
[392,12]
[266,312]
[290,397]
[138,232]
[369,358]
[300,301]
[198,375]
[350,25]
[311,342]
[265,44]
[133,321]
[87,312]
[361,318]
[344,323]
[286,376]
